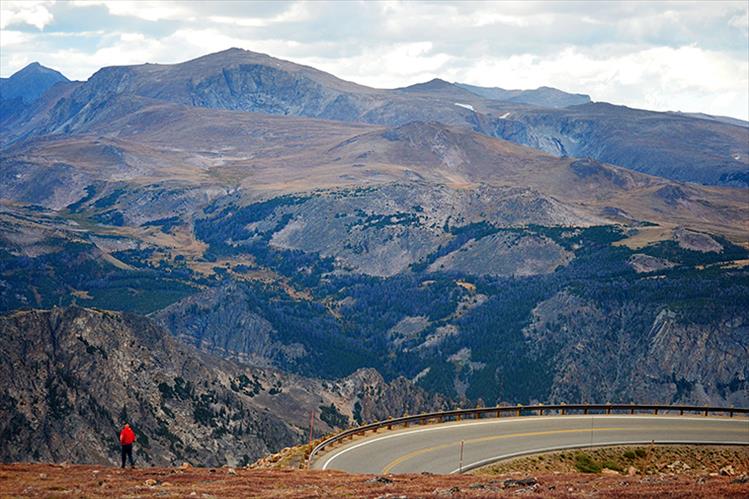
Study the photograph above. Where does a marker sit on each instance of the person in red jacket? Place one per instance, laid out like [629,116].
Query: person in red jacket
[127,437]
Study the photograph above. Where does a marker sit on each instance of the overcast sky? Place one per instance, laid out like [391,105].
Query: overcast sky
[685,56]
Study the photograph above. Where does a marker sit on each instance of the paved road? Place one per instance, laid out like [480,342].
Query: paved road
[436,448]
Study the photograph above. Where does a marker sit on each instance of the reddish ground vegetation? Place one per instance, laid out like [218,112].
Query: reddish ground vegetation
[46,480]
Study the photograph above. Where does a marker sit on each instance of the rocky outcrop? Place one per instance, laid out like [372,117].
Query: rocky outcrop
[383,230]
[646,263]
[72,376]
[75,375]
[506,255]
[676,360]
[221,321]
[696,241]
[643,141]
[376,400]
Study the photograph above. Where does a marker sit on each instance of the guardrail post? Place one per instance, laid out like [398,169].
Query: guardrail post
[541,410]
[706,411]
[730,413]
[564,411]
[655,411]
[585,409]
[405,423]
[608,409]
[518,410]
[499,412]
[390,422]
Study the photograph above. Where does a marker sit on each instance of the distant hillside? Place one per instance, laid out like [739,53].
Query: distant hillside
[30,83]
[679,147]
[542,97]
[670,145]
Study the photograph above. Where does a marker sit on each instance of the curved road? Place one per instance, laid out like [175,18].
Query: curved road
[436,448]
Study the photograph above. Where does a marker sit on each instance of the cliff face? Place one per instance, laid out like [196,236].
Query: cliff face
[75,375]
[221,321]
[640,140]
[601,354]
[72,376]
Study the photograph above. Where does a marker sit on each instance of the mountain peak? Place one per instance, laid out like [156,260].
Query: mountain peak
[440,88]
[30,82]
[37,68]
[428,86]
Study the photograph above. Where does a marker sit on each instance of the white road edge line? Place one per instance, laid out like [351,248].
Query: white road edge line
[502,457]
[452,424]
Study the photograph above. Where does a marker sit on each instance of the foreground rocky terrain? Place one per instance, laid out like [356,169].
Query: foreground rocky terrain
[40,480]
[75,375]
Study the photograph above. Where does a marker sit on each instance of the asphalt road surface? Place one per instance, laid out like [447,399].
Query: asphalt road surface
[436,448]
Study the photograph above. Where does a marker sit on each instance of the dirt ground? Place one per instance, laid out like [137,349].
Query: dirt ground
[642,459]
[46,480]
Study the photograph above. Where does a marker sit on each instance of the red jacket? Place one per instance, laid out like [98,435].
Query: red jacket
[127,436]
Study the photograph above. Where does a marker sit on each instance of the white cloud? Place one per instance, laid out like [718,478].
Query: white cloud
[33,13]
[741,21]
[385,66]
[142,9]
[685,78]
[9,38]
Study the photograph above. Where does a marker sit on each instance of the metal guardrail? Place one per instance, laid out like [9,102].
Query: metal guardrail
[521,410]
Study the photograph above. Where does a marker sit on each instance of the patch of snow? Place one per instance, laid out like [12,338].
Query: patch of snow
[505,116]
[466,106]
[737,157]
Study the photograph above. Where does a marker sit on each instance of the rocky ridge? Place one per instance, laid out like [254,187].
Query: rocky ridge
[78,373]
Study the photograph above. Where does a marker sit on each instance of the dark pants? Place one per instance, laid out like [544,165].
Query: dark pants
[127,452]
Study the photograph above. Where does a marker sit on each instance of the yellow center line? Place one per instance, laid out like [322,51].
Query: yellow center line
[395,462]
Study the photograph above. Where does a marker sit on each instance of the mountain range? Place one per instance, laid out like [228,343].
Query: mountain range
[383,251]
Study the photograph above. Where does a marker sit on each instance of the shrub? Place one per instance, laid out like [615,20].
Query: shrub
[612,465]
[585,464]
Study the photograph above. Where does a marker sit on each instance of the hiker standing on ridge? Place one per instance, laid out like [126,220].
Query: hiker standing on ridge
[127,437]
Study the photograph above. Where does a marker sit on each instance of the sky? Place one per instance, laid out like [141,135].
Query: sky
[677,56]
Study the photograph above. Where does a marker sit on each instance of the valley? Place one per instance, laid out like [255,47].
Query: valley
[283,241]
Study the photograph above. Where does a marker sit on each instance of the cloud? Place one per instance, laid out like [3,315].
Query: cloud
[677,55]
[661,78]
[32,13]
[741,21]
[142,9]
